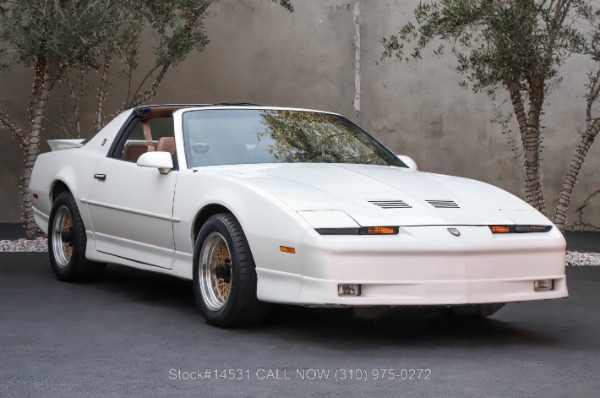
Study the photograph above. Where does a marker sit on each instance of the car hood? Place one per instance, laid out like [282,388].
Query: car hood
[380,195]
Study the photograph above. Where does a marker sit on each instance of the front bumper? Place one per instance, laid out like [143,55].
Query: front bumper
[430,266]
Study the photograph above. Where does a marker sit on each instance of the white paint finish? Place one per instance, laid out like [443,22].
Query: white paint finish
[132,210]
[267,222]
[328,219]
[439,292]
[123,232]
[408,161]
[158,160]
[349,188]
[472,268]
[524,216]
[133,216]
[97,143]
[57,145]
[278,286]
[136,251]
[73,168]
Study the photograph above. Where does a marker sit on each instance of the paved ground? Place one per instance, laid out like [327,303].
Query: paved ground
[139,334]
[11,231]
[583,241]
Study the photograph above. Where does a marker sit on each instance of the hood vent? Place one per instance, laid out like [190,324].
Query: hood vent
[391,204]
[443,204]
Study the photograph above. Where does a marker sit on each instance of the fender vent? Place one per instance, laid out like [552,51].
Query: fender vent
[391,204]
[443,204]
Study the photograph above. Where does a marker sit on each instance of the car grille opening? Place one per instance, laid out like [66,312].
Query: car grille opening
[391,204]
[443,204]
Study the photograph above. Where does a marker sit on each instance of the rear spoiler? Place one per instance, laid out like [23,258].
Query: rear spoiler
[57,145]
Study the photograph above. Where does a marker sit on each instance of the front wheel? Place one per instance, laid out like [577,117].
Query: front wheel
[67,242]
[225,274]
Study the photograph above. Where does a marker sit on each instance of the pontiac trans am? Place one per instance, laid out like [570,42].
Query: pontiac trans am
[260,205]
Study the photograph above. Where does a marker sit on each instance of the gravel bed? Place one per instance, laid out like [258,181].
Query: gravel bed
[574,258]
[578,259]
[24,245]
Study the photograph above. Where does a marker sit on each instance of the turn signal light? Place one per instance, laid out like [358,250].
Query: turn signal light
[499,229]
[379,231]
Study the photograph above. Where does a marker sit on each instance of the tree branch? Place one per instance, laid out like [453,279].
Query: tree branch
[7,122]
[139,87]
[564,198]
[147,95]
[593,95]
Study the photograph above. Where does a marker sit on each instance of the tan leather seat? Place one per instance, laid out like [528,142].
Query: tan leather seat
[133,151]
[166,144]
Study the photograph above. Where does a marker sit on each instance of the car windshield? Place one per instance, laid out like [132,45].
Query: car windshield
[249,136]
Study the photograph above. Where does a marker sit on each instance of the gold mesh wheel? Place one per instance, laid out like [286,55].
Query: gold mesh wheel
[62,236]
[215,271]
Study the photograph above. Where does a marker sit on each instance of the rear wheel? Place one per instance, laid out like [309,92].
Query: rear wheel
[225,274]
[67,242]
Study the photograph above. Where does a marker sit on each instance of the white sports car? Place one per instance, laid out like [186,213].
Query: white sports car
[263,205]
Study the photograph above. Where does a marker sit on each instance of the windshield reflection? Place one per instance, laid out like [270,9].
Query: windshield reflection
[249,136]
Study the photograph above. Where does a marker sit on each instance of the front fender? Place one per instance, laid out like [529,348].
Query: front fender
[267,222]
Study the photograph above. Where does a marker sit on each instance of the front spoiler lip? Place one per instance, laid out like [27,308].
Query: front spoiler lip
[432,293]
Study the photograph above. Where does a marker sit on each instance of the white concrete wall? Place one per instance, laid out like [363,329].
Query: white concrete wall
[260,53]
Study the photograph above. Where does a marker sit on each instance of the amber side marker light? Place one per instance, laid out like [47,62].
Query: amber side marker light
[379,231]
[287,249]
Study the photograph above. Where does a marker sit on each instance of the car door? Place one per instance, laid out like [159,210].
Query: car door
[131,207]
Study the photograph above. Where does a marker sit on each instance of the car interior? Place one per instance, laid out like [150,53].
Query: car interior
[151,132]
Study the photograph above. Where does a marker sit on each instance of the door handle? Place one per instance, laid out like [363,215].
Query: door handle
[100,177]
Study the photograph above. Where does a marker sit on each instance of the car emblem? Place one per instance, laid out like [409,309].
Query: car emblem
[454,231]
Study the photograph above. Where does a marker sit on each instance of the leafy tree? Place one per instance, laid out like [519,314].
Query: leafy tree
[66,39]
[515,47]
[49,36]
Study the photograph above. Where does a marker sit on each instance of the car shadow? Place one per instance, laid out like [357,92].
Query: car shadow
[147,288]
[414,326]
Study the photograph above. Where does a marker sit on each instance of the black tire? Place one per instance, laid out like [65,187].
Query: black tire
[67,242]
[473,311]
[225,275]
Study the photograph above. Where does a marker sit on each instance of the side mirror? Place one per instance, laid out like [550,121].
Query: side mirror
[407,160]
[158,160]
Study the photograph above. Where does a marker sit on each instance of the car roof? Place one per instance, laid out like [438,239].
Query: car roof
[156,110]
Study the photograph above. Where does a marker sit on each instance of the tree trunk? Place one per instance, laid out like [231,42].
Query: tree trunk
[532,152]
[102,93]
[530,135]
[564,198]
[41,93]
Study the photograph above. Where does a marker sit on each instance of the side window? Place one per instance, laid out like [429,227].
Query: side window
[135,143]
